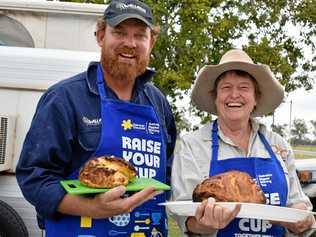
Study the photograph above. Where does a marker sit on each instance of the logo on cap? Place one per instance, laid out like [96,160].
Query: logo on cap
[123,6]
[119,11]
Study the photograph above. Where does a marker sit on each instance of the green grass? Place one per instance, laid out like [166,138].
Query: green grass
[304,148]
[302,156]
[174,230]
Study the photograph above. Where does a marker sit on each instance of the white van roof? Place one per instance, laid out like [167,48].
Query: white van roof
[54,7]
[37,69]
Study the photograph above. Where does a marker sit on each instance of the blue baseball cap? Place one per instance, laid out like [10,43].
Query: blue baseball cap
[121,10]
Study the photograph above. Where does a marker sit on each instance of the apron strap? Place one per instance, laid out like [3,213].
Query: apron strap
[267,145]
[100,82]
[158,110]
[154,104]
[215,145]
[276,160]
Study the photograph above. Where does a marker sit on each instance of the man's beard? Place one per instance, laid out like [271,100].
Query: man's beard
[123,71]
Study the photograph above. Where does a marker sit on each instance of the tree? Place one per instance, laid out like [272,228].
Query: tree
[83,1]
[313,122]
[198,32]
[299,131]
[280,129]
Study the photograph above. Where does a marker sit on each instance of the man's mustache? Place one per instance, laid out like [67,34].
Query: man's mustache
[126,50]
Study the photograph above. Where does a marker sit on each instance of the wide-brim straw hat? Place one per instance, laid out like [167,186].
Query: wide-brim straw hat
[272,92]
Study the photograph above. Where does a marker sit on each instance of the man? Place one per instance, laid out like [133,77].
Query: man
[102,112]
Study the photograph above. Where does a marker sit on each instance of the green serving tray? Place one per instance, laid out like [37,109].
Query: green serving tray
[76,188]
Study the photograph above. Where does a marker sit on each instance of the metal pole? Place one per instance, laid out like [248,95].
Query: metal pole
[290,125]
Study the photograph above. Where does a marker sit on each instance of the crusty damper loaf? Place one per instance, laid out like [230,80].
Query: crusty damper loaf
[107,172]
[231,186]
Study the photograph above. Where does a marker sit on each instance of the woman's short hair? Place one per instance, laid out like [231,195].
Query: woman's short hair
[241,74]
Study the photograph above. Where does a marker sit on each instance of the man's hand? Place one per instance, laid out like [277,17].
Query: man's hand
[111,203]
[105,205]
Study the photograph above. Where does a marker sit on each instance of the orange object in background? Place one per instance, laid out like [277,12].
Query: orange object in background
[304,176]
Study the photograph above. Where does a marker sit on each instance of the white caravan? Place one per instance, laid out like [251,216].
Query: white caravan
[25,73]
[57,40]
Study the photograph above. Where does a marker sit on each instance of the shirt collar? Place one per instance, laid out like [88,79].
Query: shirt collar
[91,77]
[255,125]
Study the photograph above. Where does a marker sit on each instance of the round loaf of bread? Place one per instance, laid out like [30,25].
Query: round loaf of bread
[231,186]
[107,172]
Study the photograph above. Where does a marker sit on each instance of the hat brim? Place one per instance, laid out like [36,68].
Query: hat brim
[272,92]
[118,19]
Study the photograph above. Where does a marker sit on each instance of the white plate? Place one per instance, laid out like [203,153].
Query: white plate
[248,210]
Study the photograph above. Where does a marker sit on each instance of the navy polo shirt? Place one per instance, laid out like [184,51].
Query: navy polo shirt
[66,129]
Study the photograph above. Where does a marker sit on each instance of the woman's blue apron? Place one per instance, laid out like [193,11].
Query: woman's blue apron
[268,173]
[133,132]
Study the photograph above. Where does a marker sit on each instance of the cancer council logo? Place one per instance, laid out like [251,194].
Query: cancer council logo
[127,124]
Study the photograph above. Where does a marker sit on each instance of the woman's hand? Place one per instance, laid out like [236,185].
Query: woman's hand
[300,226]
[210,217]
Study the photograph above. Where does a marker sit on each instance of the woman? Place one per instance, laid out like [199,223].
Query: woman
[237,90]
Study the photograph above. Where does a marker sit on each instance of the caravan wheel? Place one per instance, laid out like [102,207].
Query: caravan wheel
[11,224]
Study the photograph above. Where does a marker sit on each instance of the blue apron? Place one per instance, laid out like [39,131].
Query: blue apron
[133,132]
[268,173]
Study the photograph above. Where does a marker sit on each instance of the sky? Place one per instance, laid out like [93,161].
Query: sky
[303,107]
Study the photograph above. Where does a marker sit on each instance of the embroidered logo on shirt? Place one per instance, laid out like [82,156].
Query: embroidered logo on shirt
[91,122]
[279,151]
[127,124]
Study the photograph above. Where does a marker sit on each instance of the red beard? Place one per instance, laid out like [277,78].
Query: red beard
[123,70]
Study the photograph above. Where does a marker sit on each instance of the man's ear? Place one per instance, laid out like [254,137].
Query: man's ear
[100,37]
[152,42]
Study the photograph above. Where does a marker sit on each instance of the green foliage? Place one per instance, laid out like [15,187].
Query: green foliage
[280,129]
[299,131]
[313,122]
[195,33]
[84,1]
[198,32]
[305,13]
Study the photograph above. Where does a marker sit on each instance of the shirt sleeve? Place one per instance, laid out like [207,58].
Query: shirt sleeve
[186,174]
[296,194]
[46,155]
